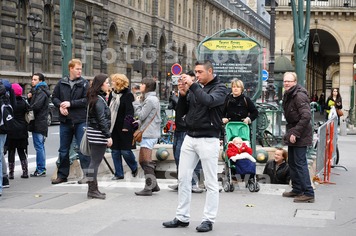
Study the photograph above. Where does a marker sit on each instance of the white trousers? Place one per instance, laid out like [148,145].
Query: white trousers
[207,150]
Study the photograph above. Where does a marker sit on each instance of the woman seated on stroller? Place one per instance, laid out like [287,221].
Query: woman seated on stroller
[237,150]
[278,168]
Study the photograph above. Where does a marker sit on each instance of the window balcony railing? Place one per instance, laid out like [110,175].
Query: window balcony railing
[242,11]
[319,3]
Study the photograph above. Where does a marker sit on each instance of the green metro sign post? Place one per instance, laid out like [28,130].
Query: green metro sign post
[301,37]
[66,9]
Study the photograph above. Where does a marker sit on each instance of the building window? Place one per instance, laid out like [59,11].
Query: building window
[185,12]
[179,14]
[88,48]
[163,8]
[47,38]
[21,30]
[189,18]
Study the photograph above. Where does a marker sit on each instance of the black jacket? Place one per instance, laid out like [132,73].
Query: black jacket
[278,175]
[76,96]
[238,108]
[202,109]
[99,117]
[39,104]
[20,128]
[297,112]
[122,140]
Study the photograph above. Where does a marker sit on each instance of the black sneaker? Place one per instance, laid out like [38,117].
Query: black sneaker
[38,174]
[5,182]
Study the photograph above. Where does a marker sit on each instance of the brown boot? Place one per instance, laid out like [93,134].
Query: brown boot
[93,191]
[96,183]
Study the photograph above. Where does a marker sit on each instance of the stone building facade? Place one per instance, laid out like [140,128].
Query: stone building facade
[143,37]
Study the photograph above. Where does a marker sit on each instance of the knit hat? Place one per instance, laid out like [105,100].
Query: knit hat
[17,89]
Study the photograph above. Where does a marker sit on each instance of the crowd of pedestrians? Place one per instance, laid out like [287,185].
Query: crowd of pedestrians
[110,113]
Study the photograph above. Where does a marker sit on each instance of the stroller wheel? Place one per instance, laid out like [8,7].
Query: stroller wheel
[257,187]
[251,187]
[226,187]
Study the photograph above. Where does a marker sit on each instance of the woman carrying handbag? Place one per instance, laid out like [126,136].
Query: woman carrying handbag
[98,131]
[148,113]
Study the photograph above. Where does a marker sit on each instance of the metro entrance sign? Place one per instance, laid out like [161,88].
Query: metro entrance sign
[264,75]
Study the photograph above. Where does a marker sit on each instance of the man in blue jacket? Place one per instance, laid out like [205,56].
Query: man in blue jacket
[202,110]
[69,96]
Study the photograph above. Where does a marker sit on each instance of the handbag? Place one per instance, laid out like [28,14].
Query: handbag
[29,116]
[84,143]
[339,112]
[137,136]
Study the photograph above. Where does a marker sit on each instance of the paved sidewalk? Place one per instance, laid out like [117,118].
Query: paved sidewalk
[35,207]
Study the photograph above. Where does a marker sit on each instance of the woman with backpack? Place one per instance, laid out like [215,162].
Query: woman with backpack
[17,138]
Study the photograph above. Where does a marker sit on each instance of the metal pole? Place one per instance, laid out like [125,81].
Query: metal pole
[66,11]
[270,87]
[101,57]
[33,53]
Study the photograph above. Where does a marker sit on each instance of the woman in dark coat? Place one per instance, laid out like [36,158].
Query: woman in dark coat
[122,111]
[237,107]
[17,138]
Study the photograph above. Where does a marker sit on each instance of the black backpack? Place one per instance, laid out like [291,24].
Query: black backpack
[7,121]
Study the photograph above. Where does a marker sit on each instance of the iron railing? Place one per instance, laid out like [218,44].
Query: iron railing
[320,3]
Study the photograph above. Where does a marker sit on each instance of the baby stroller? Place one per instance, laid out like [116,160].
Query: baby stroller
[242,166]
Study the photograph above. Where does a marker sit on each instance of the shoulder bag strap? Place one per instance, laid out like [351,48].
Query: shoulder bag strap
[150,122]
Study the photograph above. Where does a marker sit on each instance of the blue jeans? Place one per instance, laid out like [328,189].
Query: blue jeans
[38,143]
[299,172]
[177,145]
[129,158]
[66,132]
[2,143]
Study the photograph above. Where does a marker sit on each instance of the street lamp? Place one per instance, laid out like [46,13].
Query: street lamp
[316,48]
[316,39]
[34,24]
[103,39]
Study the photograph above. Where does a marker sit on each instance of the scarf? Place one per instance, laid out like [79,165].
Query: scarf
[114,107]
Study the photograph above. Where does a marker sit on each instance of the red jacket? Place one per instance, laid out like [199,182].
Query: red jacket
[232,149]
